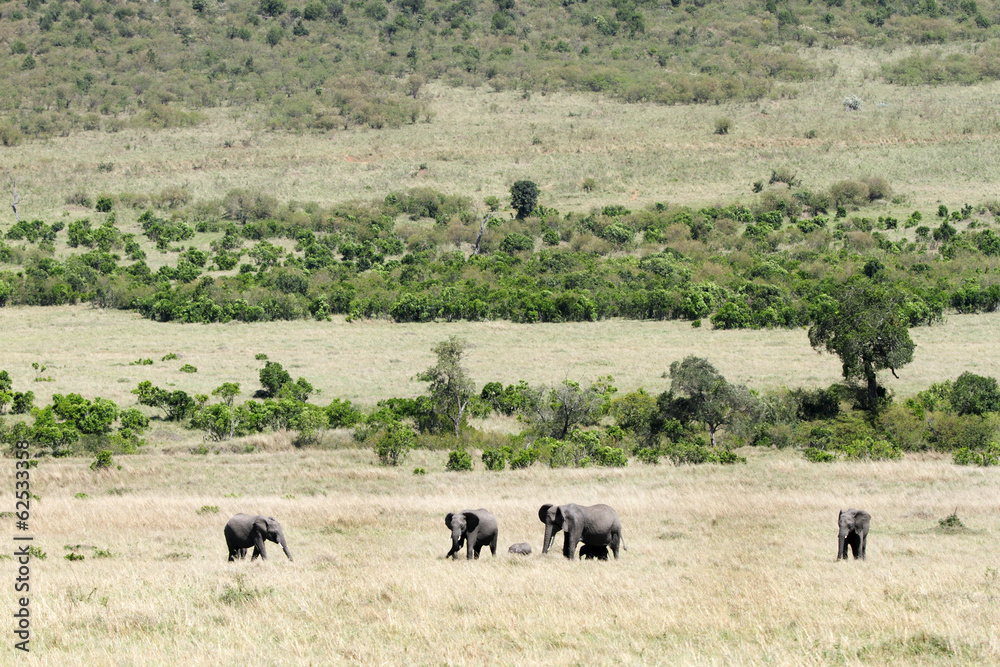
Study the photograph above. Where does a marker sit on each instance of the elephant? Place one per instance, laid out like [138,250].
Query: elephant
[590,551]
[522,548]
[854,532]
[478,528]
[597,525]
[244,531]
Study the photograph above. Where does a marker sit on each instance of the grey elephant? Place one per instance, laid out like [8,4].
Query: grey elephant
[597,525]
[853,531]
[476,528]
[244,531]
[521,548]
[591,551]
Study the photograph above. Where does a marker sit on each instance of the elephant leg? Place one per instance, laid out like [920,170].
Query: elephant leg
[864,543]
[493,544]
[570,540]
[472,550]
[232,554]
[615,544]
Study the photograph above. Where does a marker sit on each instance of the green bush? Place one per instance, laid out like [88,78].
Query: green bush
[188,368]
[971,457]
[695,452]
[494,459]
[459,460]
[103,460]
[818,455]
[393,444]
[870,449]
[523,198]
[523,458]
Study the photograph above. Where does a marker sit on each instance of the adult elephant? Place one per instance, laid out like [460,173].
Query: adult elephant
[853,532]
[245,530]
[597,525]
[475,528]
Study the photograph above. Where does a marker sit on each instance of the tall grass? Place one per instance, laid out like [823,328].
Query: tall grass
[705,580]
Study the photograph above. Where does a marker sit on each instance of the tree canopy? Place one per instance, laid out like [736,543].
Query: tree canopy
[864,325]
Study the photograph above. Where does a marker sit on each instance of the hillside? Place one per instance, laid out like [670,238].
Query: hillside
[328,65]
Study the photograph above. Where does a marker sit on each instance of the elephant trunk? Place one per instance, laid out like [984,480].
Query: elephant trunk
[842,546]
[456,540]
[284,545]
[549,536]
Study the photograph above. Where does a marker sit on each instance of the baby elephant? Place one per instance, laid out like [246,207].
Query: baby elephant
[591,551]
[477,528]
[244,531]
[854,532]
[522,548]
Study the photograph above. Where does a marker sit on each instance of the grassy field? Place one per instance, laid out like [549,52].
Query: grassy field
[933,144]
[88,351]
[705,580]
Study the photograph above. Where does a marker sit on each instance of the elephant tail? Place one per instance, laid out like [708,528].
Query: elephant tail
[621,538]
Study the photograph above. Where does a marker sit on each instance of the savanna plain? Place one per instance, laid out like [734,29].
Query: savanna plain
[724,564]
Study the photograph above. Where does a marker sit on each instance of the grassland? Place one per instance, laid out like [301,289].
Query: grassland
[88,351]
[725,565]
[933,145]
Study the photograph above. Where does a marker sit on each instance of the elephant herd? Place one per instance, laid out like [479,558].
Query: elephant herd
[597,527]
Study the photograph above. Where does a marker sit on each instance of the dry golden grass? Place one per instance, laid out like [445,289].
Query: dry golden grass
[932,144]
[725,565]
[88,351]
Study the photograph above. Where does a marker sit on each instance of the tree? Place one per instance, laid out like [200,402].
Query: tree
[523,198]
[556,412]
[273,377]
[864,325]
[975,395]
[698,392]
[450,387]
[227,391]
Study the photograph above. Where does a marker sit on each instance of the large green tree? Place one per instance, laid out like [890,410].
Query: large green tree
[864,325]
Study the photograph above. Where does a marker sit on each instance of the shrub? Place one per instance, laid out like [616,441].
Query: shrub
[852,103]
[393,444]
[975,394]
[188,368]
[849,193]
[970,457]
[951,523]
[341,414]
[523,458]
[104,204]
[723,125]
[818,455]
[870,449]
[103,460]
[459,460]
[696,452]
[494,459]
[516,242]
[523,198]
[589,184]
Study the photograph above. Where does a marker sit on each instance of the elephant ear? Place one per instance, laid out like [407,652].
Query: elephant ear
[471,521]
[447,519]
[260,525]
[543,512]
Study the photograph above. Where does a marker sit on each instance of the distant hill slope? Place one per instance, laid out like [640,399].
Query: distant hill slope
[87,64]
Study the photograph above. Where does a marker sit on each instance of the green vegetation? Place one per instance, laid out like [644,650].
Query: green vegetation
[328,64]
[410,257]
